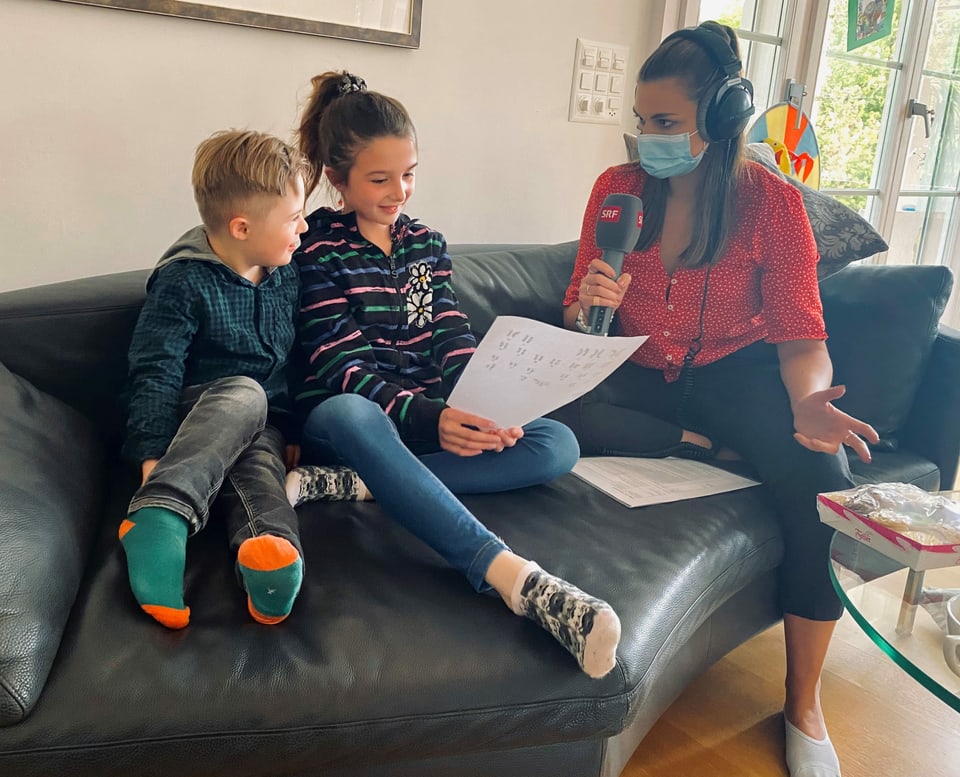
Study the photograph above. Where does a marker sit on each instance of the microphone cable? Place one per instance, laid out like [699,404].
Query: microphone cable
[686,371]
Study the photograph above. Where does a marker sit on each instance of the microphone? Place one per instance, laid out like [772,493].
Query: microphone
[618,228]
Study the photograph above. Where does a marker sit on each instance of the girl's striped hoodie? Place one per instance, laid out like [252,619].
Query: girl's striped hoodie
[386,327]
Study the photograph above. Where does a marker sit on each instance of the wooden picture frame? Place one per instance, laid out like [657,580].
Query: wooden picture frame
[319,22]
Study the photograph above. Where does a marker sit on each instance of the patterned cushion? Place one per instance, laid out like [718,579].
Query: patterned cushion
[842,235]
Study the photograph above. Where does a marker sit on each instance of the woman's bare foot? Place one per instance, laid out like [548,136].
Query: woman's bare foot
[723,453]
[696,439]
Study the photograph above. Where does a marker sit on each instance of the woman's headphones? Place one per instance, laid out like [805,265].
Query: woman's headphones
[727,104]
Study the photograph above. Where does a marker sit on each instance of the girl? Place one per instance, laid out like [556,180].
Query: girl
[385,342]
[723,279]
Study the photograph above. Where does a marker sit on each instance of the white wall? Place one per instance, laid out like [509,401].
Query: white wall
[101,110]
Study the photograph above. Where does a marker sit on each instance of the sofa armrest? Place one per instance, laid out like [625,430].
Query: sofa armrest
[50,483]
[70,340]
[932,428]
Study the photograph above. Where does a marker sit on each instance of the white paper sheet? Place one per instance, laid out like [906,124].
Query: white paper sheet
[640,482]
[523,369]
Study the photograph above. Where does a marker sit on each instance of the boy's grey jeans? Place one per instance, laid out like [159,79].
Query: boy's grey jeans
[224,451]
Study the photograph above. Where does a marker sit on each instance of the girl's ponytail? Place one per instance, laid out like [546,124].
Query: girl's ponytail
[324,91]
[340,118]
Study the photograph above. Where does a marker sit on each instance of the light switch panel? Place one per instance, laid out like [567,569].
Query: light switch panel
[599,71]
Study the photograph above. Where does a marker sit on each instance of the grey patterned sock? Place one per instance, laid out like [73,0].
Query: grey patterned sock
[312,483]
[586,626]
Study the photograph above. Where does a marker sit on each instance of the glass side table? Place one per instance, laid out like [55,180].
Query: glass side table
[900,609]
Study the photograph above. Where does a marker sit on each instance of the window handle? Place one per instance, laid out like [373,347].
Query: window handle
[915,108]
[795,94]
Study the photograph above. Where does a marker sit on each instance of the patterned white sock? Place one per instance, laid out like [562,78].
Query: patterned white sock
[809,757]
[586,626]
[332,484]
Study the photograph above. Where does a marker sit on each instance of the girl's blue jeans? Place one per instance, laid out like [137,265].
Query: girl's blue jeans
[418,491]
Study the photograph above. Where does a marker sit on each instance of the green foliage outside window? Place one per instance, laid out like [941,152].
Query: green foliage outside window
[852,95]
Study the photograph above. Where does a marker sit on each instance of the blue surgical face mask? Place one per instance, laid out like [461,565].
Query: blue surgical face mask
[667,156]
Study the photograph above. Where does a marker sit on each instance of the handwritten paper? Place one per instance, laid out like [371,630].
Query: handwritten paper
[523,369]
[640,482]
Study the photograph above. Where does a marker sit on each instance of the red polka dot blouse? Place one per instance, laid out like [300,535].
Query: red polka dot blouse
[763,288]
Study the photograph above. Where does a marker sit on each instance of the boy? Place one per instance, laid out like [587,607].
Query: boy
[209,408]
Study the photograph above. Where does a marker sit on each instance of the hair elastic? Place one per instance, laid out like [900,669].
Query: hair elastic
[350,83]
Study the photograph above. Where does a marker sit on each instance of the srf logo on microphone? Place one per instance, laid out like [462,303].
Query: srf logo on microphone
[610,214]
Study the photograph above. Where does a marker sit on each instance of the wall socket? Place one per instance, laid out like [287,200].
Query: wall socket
[597,95]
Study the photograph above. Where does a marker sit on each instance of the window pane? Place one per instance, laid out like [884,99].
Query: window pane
[762,66]
[762,16]
[943,56]
[849,120]
[920,230]
[729,12]
[934,163]
[859,202]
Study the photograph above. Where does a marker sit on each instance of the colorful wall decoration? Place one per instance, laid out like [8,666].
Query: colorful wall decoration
[791,136]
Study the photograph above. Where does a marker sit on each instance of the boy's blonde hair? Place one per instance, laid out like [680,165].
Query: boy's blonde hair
[234,167]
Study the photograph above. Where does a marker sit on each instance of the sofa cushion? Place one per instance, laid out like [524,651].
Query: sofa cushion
[49,478]
[881,322]
[521,281]
[389,655]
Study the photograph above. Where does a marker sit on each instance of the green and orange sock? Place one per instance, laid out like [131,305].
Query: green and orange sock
[155,542]
[272,572]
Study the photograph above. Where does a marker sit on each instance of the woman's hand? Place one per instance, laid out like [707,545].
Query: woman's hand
[466,434]
[806,369]
[598,287]
[822,427]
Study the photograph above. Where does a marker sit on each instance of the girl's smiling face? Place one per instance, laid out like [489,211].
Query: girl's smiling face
[380,182]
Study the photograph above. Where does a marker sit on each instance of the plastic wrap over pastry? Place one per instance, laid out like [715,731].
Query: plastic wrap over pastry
[930,519]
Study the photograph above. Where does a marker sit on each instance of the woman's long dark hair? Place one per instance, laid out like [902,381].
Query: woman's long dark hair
[722,164]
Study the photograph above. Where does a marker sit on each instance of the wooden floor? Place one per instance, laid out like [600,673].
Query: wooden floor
[728,723]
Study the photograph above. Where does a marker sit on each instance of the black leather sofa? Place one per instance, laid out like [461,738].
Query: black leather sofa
[390,664]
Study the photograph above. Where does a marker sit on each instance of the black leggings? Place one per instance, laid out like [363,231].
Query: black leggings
[739,402]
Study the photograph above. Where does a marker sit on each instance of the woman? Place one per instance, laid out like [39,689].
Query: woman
[723,280]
